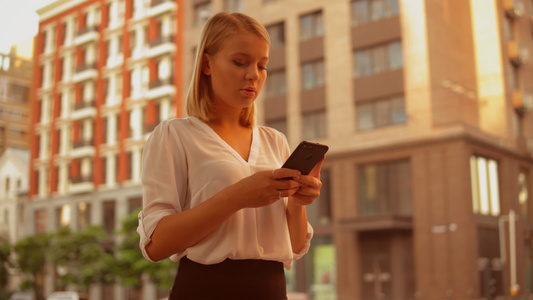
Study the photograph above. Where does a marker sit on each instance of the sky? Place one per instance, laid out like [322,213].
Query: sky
[18,21]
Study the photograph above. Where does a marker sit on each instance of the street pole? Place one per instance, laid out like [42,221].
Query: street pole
[511,218]
[512,253]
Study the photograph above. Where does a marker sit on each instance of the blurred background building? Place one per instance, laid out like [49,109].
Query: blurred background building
[104,78]
[16,71]
[426,107]
[16,76]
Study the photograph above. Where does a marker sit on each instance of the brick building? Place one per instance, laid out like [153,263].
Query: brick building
[106,74]
[426,107]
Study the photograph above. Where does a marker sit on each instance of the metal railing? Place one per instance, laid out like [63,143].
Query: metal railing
[160,82]
[157,2]
[161,40]
[83,104]
[82,178]
[82,143]
[86,29]
[85,67]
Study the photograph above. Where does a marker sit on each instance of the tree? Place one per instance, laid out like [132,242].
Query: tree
[31,259]
[131,262]
[80,257]
[5,264]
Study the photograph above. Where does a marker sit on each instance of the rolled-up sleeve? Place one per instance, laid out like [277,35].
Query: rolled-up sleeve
[164,180]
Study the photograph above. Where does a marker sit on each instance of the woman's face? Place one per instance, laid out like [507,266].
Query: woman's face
[237,71]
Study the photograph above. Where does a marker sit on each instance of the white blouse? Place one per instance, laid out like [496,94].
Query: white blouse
[185,162]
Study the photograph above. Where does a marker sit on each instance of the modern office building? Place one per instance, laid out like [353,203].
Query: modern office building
[426,107]
[106,72]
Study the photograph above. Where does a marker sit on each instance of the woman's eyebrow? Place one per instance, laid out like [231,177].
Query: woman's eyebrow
[247,55]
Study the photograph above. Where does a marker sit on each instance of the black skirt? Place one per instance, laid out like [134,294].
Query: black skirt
[231,279]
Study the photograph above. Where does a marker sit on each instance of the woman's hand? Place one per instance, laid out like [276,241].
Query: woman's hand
[309,186]
[264,188]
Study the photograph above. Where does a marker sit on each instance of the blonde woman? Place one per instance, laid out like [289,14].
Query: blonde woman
[212,198]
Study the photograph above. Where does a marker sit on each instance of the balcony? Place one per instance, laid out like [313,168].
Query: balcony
[161,45]
[86,34]
[82,148]
[513,8]
[160,88]
[84,110]
[161,6]
[81,184]
[85,72]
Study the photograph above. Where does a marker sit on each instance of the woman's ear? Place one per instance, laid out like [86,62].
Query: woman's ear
[206,68]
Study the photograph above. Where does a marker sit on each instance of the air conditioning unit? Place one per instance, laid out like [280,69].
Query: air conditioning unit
[514,8]
[523,55]
[518,54]
[528,101]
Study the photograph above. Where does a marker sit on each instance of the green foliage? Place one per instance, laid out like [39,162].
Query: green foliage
[131,262]
[31,253]
[5,262]
[31,259]
[81,256]
[81,259]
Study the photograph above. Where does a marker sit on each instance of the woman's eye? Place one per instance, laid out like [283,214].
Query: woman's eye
[262,67]
[239,63]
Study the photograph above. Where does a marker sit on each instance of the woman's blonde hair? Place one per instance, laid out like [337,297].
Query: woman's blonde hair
[217,29]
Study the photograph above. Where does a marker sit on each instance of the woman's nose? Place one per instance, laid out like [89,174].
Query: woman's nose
[252,74]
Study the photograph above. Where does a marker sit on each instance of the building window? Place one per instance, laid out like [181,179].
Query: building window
[20,93]
[385,188]
[134,204]
[313,74]
[41,221]
[202,12]
[234,5]
[277,35]
[108,212]
[133,40]
[523,194]
[7,186]
[278,124]
[84,215]
[378,59]
[311,26]
[3,83]
[314,125]
[380,113]
[364,11]
[275,84]
[514,77]
[320,212]
[485,186]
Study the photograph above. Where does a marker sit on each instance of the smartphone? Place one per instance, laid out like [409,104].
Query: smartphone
[305,157]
